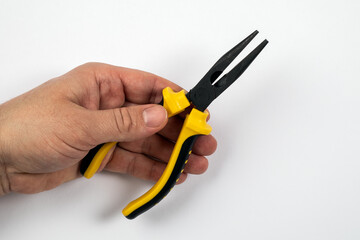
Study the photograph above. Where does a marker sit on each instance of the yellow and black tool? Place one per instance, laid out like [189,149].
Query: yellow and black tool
[194,125]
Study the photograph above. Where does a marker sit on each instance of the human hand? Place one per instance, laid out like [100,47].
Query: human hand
[45,132]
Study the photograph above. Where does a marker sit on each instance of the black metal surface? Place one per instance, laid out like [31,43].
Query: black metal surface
[208,88]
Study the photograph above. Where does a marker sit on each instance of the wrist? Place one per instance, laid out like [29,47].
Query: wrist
[4,180]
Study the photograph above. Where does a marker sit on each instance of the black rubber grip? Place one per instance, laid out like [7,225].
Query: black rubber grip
[175,174]
[85,162]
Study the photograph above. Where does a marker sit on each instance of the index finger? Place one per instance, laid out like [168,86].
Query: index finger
[139,87]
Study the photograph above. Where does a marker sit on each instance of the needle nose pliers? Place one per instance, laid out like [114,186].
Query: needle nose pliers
[207,90]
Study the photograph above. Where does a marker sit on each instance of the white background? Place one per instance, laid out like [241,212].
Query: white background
[288,159]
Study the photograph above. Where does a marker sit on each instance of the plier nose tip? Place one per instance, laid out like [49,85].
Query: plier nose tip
[211,86]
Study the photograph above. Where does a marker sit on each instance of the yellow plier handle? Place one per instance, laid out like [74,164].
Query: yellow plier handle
[194,125]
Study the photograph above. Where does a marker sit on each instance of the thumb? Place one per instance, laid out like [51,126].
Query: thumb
[126,123]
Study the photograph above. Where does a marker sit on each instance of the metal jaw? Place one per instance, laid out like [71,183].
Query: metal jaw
[207,90]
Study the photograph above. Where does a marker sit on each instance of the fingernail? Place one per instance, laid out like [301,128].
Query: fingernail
[154,116]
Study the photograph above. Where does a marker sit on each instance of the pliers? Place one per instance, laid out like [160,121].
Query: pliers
[200,97]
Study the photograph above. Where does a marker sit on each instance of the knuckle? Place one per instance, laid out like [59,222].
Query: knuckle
[20,184]
[155,96]
[146,146]
[131,167]
[89,65]
[124,120]
[152,175]
[5,184]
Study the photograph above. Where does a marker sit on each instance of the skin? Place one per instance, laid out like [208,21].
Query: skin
[45,132]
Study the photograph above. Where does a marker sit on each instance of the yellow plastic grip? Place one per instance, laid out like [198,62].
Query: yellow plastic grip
[174,102]
[98,158]
[195,124]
